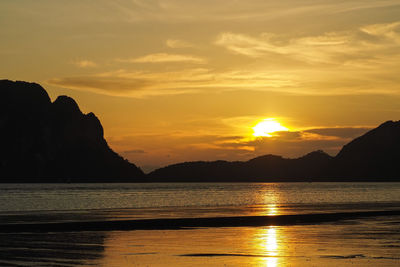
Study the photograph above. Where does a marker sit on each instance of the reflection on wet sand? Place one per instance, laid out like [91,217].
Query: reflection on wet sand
[269,244]
[361,242]
[237,246]
[50,249]
[240,246]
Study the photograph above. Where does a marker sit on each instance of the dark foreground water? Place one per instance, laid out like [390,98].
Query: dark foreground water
[279,224]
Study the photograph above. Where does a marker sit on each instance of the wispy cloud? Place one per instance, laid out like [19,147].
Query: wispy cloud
[140,83]
[360,61]
[365,43]
[176,43]
[166,58]
[339,132]
[246,45]
[85,63]
[297,143]
[250,10]
[390,31]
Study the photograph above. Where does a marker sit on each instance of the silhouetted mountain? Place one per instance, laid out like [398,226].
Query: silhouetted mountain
[375,155]
[43,141]
[372,157]
[260,169]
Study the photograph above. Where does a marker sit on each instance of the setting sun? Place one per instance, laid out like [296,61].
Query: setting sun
[267,127]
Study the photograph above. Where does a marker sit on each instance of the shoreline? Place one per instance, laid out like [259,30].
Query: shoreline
[185,223]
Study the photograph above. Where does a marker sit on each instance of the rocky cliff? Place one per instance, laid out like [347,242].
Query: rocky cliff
[44,141]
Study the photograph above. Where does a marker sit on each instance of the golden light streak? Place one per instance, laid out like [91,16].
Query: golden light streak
[270,246]
[272,209]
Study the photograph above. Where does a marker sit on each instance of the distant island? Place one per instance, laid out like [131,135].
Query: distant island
[373,156]
[44,141]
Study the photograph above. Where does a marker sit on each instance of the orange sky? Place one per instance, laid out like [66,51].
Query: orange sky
[175,80]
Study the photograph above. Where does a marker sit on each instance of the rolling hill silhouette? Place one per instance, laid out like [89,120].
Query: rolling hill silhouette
[260,169]
[372,157]
[43,141]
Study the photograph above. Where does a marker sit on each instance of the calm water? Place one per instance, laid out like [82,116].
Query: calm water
[292,196]
[358,242]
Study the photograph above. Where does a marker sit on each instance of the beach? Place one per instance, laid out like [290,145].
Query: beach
[293,230]
[355,242]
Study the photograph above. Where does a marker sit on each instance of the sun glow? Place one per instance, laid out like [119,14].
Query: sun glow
[267,127]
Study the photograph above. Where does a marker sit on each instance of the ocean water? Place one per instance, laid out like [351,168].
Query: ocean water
[361,241]
[287,197]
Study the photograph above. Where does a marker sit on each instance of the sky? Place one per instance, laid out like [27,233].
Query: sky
[175,80]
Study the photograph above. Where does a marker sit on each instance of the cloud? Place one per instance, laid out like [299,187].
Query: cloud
[340,132]
[103,85]
[365,43]
[362,60]
[199,11]
[166,58]
[294,143]
[246,45]
[389,30]
[192,80]
[359,61]
[85,63]
[136,83]
[175,43]
[288,144]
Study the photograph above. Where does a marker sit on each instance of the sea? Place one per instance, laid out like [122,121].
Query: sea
[284,224]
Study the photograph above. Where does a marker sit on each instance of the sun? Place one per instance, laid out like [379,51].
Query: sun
[267,127]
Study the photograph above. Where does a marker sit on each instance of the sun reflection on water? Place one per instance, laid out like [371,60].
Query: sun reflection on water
[271,209]
[269,237]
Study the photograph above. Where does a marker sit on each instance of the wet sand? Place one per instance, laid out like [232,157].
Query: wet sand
[367,241]
[181,223]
